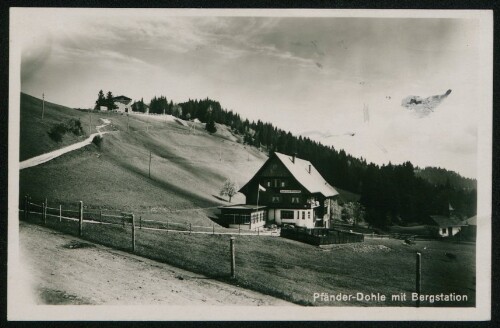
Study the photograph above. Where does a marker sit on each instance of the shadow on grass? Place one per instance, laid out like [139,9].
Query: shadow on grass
[220,198]
[181,193]
[218,220]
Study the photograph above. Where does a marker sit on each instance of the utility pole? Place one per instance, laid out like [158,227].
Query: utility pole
[43,104]
[150,164]
[127,121]
[90,124]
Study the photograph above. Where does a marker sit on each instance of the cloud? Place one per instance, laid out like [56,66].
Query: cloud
[299,73]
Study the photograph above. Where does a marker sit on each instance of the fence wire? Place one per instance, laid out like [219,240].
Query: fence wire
[124,220]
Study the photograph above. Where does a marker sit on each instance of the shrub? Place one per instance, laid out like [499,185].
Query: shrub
[97,141]
[210,126]
[75,126]
[57,131]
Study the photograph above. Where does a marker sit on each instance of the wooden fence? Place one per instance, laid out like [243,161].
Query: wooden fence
[321,236]
[82,217]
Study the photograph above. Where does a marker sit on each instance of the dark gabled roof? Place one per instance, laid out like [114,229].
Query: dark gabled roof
[122,98]
[299,169]
[312,181]
[445,222]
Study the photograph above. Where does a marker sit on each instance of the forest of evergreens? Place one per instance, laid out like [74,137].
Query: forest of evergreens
[391,194]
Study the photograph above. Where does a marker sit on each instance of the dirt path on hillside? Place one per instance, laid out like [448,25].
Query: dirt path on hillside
[40,159]
[63,269]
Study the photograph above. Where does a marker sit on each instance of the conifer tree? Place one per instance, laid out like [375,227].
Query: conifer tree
[109,101]
[101,100]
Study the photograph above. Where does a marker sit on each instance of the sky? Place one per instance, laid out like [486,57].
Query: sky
[309,75]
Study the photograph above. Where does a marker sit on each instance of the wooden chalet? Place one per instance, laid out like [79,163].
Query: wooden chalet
[291,191]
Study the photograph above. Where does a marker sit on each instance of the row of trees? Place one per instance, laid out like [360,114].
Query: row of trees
[106,101]
[389,193]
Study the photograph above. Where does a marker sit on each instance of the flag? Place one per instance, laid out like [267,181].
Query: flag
[261,188]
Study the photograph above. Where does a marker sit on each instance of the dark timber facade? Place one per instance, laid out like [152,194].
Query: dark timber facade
[292,191]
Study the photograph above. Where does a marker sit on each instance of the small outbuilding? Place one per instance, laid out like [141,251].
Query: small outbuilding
[447,226]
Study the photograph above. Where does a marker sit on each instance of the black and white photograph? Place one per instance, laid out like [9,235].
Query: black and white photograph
[249,164]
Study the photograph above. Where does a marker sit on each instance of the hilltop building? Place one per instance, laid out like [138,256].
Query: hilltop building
[123,103]
[285,190]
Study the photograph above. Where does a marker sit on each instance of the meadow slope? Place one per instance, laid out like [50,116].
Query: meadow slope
[188,167]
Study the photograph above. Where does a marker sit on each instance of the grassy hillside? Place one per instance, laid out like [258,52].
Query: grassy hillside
[34,136]
[187,168]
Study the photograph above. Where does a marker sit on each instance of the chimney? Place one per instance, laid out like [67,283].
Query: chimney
[293,157]
[309,170]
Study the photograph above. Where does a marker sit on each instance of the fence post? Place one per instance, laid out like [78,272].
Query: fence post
[233,257]
[190,228]
[239,229]
[44,213]
[258,231]
[213,229]
[60,212]
[167,226]
[26,207]
[29,206]
[133,233]
[418,273]
[140,222]
[100,215]
[80,219]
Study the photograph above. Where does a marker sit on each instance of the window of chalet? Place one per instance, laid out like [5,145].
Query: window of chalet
[303,215]
[276,199]
[268,183]
[295,200]
[443,230]
[308,214]
[287,215]
[282,183]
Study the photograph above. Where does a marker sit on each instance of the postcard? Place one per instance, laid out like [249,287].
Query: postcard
[250,164]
